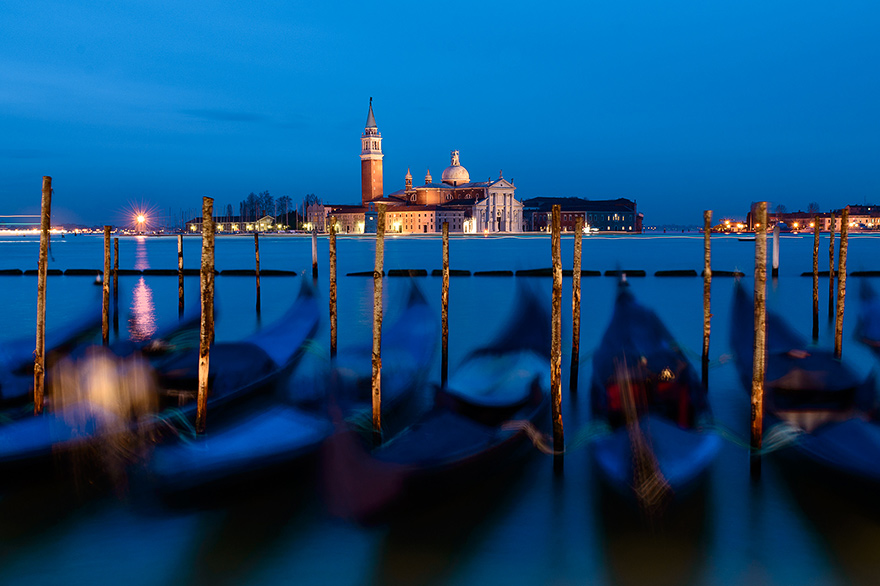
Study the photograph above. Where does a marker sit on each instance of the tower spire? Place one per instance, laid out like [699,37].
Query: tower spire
[371,160]
[371,120]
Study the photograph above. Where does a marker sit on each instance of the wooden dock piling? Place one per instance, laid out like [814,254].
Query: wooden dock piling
[314,252]
[841,283]
[576,306]
[759,355]
[40,350]
[332,286]
[116,286]
[444,310]
[556,346]
[776,251]
[707,292]
[105,298]
[816,278]
[377,325]
[116,271]
[257,269]
[831,270]
[206,333]
[180,275]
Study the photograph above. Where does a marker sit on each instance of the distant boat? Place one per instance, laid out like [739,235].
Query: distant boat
[746,238]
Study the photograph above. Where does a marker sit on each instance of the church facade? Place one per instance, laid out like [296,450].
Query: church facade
[470,207]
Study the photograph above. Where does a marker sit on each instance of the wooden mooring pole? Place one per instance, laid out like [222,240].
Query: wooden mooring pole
[116,286]
[332,286]
[831,270]
[180,275]
[116,270]
[759,355]
[105,298]
[816,278]
[206,333]
[556,346]
[444,310]
[40,350]
[377,324]
[707,292]
[257,269]
[776,251]
[314,252]
[841,282]
[576,306]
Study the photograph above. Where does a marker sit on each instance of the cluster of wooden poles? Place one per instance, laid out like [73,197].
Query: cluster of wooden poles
[760,346]
[207,309]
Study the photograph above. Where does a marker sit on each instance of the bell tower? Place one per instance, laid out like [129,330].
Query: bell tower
[371,160]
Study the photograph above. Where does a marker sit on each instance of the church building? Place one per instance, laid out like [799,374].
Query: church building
[475,207]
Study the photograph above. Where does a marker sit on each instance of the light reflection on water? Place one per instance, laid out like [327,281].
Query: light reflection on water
[140,254]
[142,323]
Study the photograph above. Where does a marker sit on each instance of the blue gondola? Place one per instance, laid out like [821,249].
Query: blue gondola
[282,435]
[238,371]
[463,440]
[645,389]
[826,406]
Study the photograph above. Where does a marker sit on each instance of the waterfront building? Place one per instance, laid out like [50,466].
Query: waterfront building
[234,224]
[613,215]
[861,217]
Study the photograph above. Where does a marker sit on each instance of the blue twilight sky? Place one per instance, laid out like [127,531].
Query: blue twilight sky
[681,104]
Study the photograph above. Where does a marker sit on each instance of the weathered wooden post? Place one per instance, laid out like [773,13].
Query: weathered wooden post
[206,281]
[180,275]
[116,286]
[257,270]
[332,286]
[444,310]
[576,306]
[759,355]
[315,252]
[831,270]
[40,350]
[116,271]
[707,292]
[377,324]
[776,251]
[841,282]
[556,346]
[816,278]
[105,298]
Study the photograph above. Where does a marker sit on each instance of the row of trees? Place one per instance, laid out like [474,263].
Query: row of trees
[812,208]
[259,205]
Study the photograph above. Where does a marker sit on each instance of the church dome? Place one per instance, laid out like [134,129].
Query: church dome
[455,174]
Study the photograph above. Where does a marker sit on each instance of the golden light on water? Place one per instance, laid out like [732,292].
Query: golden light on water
[142,323]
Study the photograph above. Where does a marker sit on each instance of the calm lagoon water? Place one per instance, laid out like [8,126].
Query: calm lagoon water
[541,529]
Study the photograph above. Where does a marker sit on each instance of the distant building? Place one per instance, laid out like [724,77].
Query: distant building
[611,215]
[233,224]
[861,217]
[480,206]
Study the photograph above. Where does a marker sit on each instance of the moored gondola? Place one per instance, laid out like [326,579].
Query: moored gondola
[476,431]
[647,392]
[868,323]
[95,413]
[17,359]
[281,436]
[825,406]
